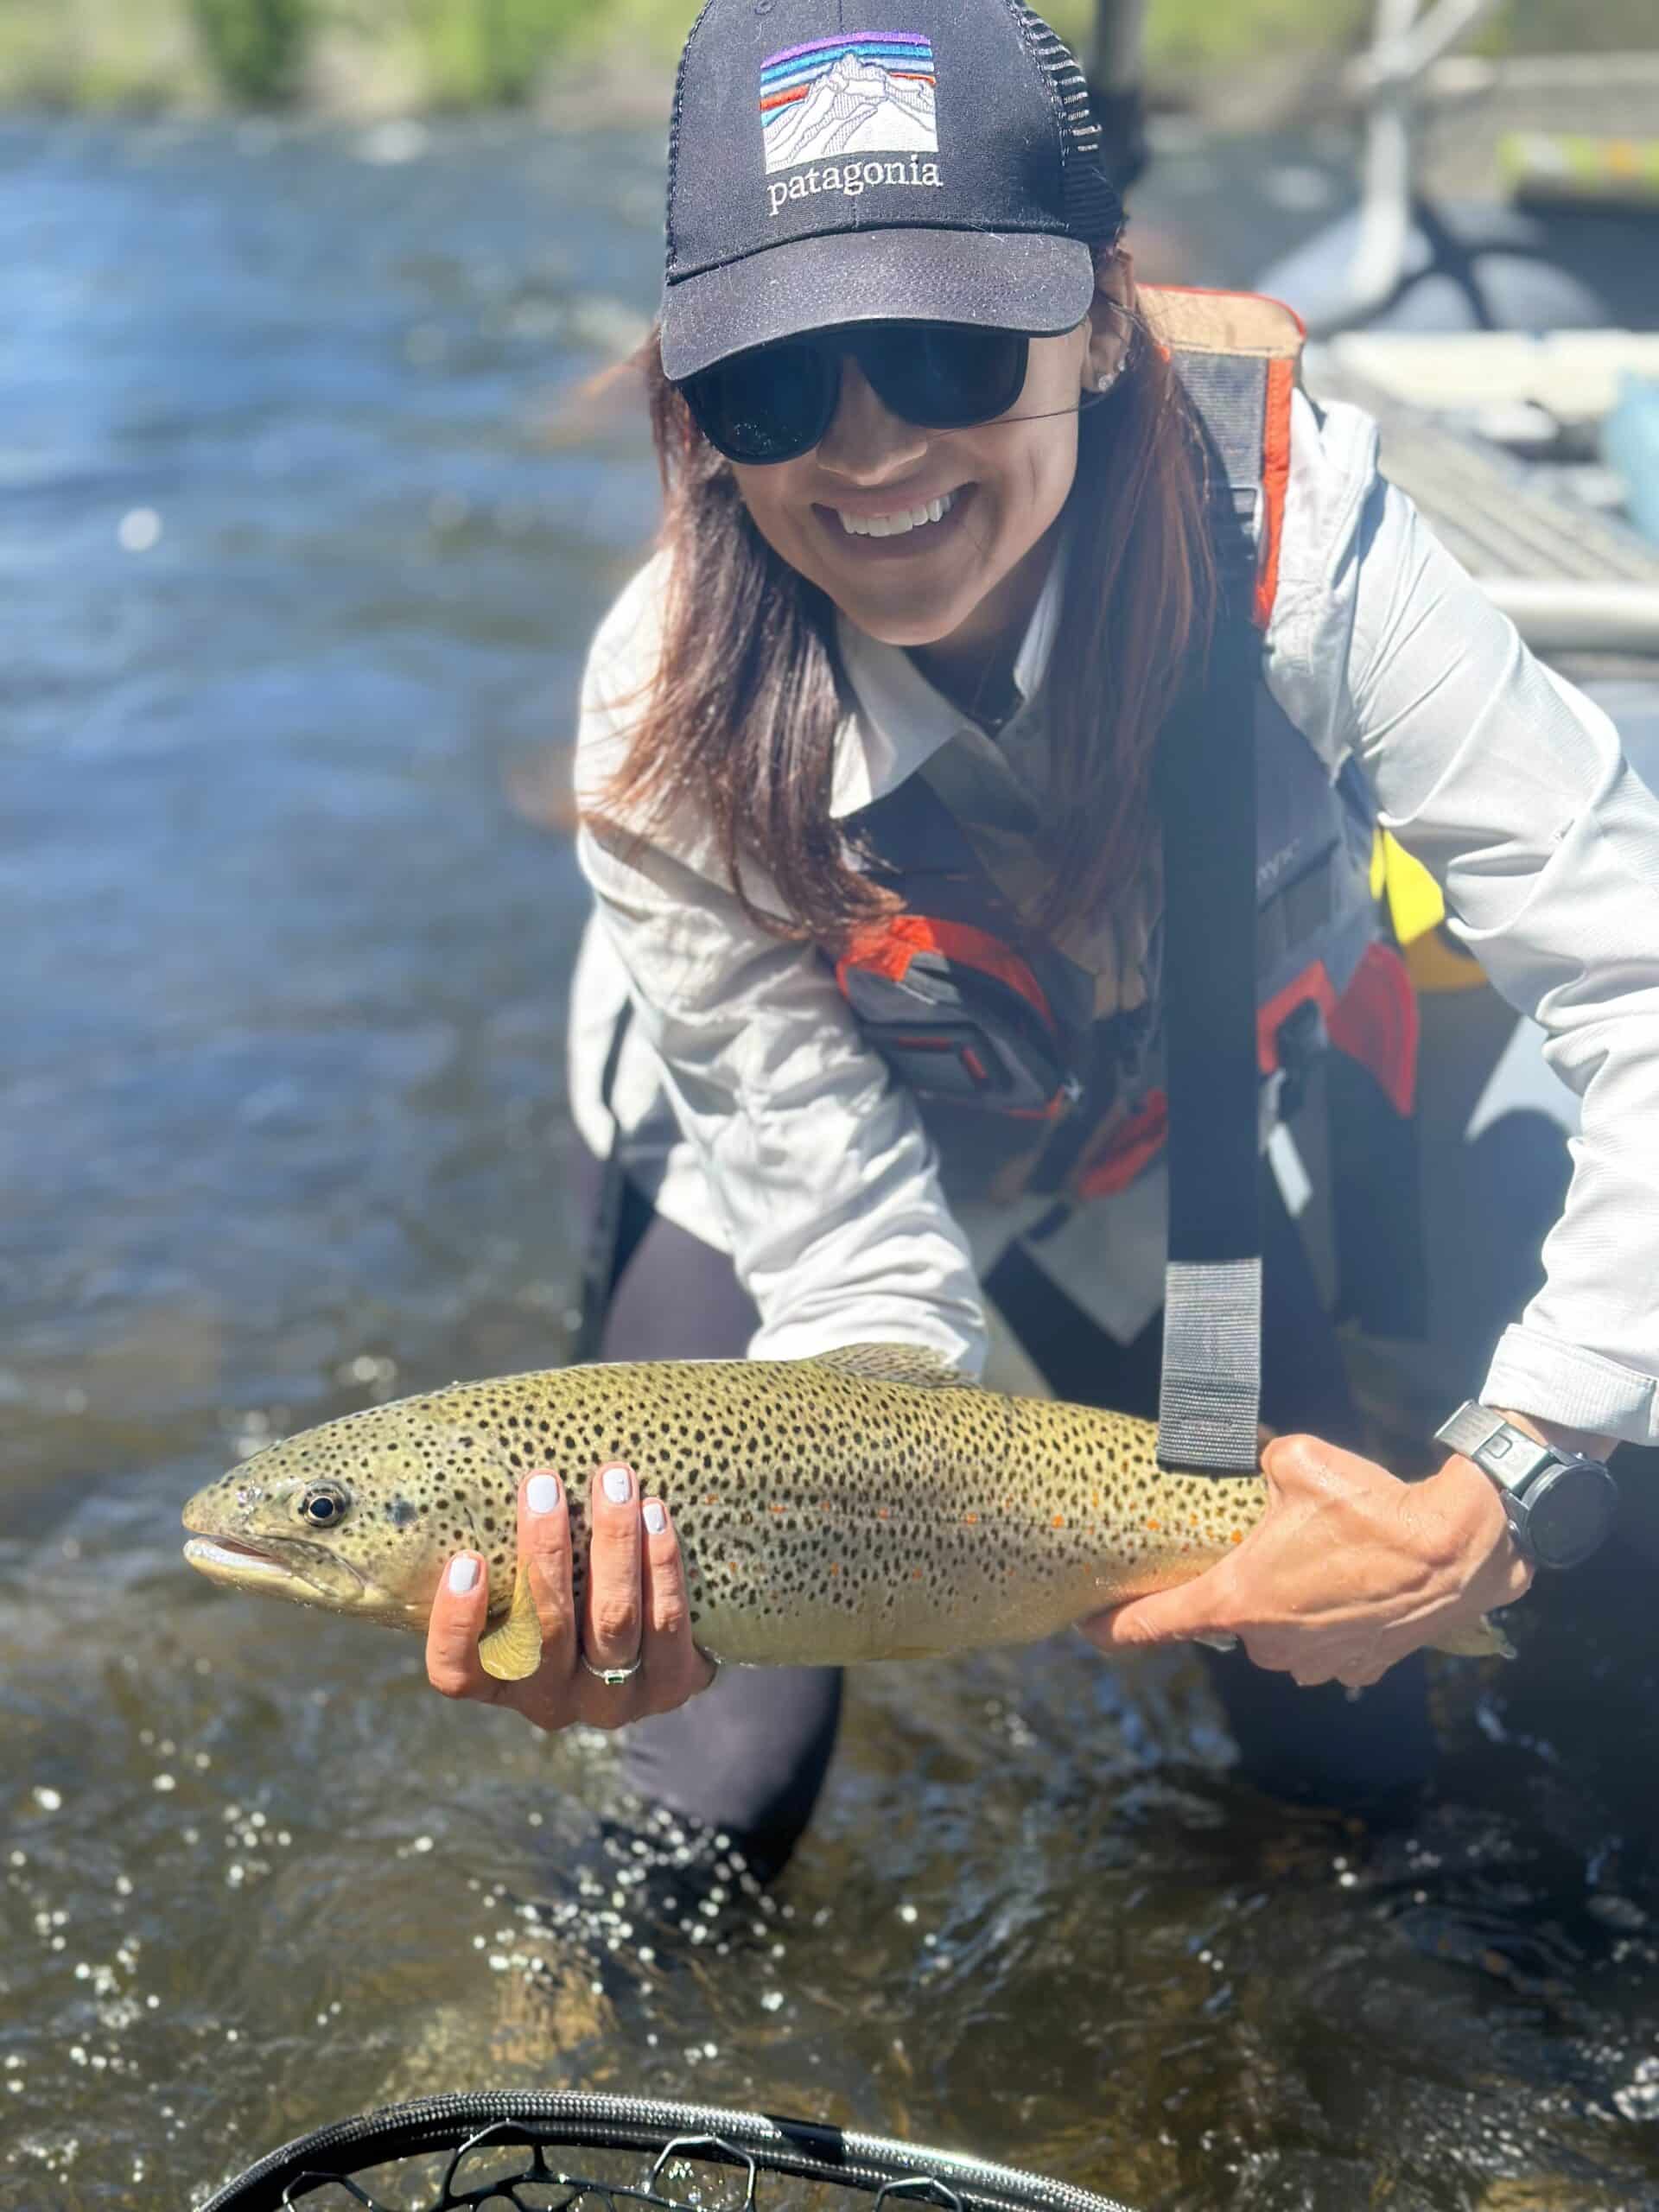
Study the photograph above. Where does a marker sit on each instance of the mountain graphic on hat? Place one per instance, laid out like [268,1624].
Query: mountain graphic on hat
[856,107]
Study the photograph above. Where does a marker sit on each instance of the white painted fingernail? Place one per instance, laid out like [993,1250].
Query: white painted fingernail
[542,1491]
[463,1575]
[619,1486]
[656,1519]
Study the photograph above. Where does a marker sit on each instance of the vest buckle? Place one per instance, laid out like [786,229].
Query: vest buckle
[1301,1037]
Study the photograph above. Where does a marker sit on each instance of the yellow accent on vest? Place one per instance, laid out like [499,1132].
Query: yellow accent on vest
[1417,911]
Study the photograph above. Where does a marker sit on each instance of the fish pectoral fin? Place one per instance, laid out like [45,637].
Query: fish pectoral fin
[514,1649]
[1482,1639]
[912,1363]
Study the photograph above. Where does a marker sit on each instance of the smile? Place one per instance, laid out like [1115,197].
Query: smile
[906,535]
[900,525]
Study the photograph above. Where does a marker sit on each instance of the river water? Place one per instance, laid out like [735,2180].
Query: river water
[300,549]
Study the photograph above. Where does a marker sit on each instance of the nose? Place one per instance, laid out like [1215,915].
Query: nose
[867,443]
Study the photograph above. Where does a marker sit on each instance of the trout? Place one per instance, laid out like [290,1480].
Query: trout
[870,1504]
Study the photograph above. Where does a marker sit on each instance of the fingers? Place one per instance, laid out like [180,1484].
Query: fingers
[612,1630]
[1196,1609]
[1354,1674]
[453,1629]
[459,1612]
[638,1610]
[634,1614]
[544,1545]
[1311,1658]
[675,1668]
[1195,1615]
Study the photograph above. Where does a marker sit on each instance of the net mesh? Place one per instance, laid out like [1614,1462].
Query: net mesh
[632,2155]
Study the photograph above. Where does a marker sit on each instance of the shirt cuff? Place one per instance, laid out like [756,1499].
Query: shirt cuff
[1534,1374]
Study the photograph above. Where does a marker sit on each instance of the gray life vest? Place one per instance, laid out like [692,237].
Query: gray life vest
[991,1026]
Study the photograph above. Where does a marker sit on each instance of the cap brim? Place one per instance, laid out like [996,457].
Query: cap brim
[1029,281]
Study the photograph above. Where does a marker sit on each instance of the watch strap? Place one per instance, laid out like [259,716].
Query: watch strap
[1497,1448]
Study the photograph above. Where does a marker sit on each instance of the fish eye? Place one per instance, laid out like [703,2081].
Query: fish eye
[324,1503]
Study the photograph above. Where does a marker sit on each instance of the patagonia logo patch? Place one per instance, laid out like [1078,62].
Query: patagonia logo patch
[837,100]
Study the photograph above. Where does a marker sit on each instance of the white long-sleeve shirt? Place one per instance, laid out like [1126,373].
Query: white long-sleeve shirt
[779,1134]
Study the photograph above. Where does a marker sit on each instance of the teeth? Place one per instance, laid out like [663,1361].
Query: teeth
[897,526]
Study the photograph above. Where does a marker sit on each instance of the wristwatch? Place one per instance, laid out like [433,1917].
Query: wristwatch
[1560,1506]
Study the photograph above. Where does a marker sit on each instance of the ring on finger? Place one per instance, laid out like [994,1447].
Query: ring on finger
[614,1677]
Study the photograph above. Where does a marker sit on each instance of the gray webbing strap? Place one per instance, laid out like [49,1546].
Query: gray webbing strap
[1212,1392]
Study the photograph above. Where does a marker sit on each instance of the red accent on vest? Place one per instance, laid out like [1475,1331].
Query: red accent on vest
[1377,1023]
[890,945]
[1313,986]
[932,986]
[1133,1147]
[1275,485]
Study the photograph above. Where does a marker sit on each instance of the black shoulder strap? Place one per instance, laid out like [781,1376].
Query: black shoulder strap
[1210,1398]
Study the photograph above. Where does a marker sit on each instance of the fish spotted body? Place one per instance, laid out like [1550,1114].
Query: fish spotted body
[869,1504]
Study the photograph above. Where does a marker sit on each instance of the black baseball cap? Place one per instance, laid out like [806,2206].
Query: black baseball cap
[945,168]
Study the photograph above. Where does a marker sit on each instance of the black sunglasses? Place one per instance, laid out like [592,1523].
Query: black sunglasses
[777,403]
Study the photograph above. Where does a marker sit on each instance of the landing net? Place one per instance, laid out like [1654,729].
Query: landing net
[513,2150]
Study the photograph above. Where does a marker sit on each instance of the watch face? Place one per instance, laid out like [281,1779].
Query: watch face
[1569,1514]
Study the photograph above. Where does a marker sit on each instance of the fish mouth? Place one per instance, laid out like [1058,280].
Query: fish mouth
[284,1570]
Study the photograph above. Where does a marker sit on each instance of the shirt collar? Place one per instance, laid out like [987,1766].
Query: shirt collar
[899,719]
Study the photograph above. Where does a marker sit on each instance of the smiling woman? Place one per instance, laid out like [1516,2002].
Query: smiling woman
[916,480]
[990,591]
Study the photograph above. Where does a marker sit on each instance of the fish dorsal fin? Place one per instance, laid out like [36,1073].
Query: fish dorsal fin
[514,1649]
[912,1363]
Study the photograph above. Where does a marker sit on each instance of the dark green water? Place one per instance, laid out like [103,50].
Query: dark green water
[296,584]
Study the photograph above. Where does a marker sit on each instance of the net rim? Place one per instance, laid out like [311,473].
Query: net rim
[805,2149]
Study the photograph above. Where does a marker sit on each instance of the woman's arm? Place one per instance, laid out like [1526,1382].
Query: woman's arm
[1513,789]
[816,1160]
[825,1181]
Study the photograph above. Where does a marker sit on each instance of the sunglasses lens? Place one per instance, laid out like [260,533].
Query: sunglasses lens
[767,406]
[776,404]
[946,377]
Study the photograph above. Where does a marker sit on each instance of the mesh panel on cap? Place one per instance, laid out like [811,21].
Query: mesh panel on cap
[1093,211]
[676,116]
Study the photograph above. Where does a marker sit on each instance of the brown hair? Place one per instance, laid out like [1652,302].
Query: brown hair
[740,718]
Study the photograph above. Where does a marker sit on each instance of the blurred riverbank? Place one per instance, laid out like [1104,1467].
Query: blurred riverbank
[376,58]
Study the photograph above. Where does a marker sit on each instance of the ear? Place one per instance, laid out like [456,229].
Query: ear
[1111,319]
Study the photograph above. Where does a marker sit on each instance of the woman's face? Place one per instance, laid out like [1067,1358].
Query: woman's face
[972,574]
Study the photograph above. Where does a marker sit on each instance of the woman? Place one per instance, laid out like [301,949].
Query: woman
[935,564]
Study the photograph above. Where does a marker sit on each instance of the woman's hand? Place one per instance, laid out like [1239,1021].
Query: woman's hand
[1346,1572]
[634,1608]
